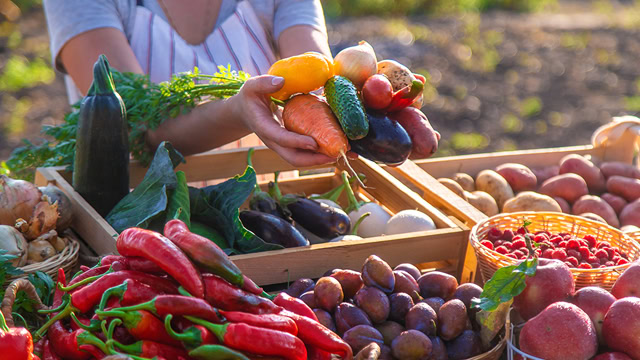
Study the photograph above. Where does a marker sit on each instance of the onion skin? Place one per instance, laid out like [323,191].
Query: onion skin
[65,208]
[18,198]
[40,250]
[15,244]
[356,63]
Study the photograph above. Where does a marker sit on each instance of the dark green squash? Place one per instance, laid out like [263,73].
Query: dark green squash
[101,165]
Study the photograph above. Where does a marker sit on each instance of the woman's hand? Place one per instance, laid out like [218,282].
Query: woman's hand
[253,107]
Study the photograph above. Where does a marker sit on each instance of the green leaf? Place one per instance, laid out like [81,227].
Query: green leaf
[149,199]
[217,206]
[211,234]
[178,207]
[505,284]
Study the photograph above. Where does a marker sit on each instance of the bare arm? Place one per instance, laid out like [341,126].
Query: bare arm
[298,39]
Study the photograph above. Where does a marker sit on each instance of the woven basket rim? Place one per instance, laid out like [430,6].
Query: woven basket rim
[62,259]
[475,241]
[497,350]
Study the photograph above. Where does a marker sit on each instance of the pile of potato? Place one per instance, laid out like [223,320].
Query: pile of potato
[608,192]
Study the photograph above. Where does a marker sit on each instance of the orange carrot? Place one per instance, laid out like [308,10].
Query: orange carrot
[309,115]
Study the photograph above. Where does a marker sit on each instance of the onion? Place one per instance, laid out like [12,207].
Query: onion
[65,209]
[40,250]
[356,63]
[15,244]
[17,199]
[42,220]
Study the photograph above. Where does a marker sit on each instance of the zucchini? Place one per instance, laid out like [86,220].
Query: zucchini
[343,99]
[101,164]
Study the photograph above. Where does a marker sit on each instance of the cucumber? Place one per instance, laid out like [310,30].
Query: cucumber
[343,99]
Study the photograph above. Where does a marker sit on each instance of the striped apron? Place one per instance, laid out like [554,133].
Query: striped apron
[239,42]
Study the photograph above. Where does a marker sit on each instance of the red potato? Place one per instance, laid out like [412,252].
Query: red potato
[567,186]
[626,187]
[377,92]
[616,202]
[612,168]
[520,177]
[564,205]
[544,173]
[423,137]
[594,217]
[594,204]
[630,215]
[591,174]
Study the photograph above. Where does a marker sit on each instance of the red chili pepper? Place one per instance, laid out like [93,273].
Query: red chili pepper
[157,248]
[222,295]
[48,353]
[134,263]
[220,352]
[267,321]
[84,268]
[143,325]
[192,336]
[116,266]
[67,344]
[177,305]
[294,305]
[206,254]
[38,347]
[317,354]
[149,349]
[315,334]
[94,351]
[58,294]
[130,292]
[15,343]
[259,341]
[405,96]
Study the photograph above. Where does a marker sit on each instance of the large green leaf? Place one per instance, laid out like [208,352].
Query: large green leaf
[149,199]
[217,206]
[178,207]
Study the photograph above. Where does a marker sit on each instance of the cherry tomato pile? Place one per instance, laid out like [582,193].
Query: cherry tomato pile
[576,252]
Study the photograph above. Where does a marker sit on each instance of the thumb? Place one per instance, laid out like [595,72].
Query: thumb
[263,84]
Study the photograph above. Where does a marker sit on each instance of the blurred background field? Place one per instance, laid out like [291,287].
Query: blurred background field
[502,74]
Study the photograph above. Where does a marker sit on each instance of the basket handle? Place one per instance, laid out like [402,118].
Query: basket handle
[10,297]
[620,137]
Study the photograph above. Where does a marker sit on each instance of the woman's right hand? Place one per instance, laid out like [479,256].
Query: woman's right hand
[252,105]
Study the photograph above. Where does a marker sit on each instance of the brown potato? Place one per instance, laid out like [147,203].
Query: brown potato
[626,187]
[617,168]
[531,201]
[495,185]
[564,205]
[587,170]
[630,215]
[519,177]
[629,228]
[466,181]
[453,186]
[483,202]
[594,204]
[617,203]
[567,186]
[545,173]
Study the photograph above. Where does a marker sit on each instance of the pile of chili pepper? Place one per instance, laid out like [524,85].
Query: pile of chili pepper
[175,297]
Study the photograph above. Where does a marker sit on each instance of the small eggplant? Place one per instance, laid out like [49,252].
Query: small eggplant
[261,201]
[320,219]
[272,229]
[387,141]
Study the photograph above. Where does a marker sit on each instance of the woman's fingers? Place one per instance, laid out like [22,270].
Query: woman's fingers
[297,157]
[271,130]
[263,85]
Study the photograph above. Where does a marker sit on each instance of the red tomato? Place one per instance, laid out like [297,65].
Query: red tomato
[377,92]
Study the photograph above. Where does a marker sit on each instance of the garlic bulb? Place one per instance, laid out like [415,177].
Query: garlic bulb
[356,63]
[15,244]
[17,199]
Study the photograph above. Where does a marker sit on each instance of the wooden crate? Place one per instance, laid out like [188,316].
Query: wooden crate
[440,249]
[421,175]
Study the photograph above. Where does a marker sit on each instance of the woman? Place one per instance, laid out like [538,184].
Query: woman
[164,37]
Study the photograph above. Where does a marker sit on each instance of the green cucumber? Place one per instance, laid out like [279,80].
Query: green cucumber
[343,99]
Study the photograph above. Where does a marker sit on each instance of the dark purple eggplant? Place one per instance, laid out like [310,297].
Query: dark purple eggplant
[272,229]
[261,201]
[320,219]
[387,141]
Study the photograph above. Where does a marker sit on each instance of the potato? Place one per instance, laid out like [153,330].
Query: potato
[423,137]
[564,205]
[612,168]
[544,173]
[592,216]
[629,228]
[531,201]
[630,215]
[40,250]
[567,186]
[519,177]
[616,202]
[399,75]
[495,185]
[626,187]
[453,186]
[483,202]
[466,181]
[587,170]
[594,204]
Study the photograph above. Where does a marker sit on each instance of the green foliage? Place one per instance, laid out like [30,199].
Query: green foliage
[20,73]
[530,106]
[505,284]
[469,141]
[148,104]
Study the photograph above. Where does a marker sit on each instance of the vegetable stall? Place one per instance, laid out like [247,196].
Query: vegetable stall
[219,256]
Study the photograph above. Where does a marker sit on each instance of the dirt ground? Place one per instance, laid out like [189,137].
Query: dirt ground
[497,81]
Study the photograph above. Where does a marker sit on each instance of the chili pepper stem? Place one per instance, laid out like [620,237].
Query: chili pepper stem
[61,315]
[116,290]
[216,329]
[83,281]
[267,295]
[110,346]
[93,327]
[174,334]
[215,351]
[64,303]
[184,292]
[87,337]
[3,323]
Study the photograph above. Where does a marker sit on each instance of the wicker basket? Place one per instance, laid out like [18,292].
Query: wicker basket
[490,261]
[496,352]
[66,259]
